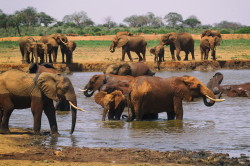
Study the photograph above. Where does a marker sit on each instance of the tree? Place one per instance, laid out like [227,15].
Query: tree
[3,20]
[28,16]
[108,22]
[192,21]
[79,18]
[173,19]
[44,19]
[228,25]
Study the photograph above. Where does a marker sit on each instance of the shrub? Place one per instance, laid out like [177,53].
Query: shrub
[245,30]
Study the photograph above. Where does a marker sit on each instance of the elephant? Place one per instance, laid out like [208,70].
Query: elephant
[155,95]
[136,44]
[179,42]
[67,49]
[44,67]
[113,104]
[28,45]
[212,33]
[124,33]
[97,81]
[208,43]
[158,52]
[133,69]
[20,90]
[54,40]
[239,90]
[42,51]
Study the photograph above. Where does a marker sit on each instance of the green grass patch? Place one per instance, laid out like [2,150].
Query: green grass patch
[8,44]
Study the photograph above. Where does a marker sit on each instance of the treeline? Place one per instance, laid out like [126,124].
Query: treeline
[30,22]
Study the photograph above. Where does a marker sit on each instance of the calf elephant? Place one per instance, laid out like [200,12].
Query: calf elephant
[43,50]
[208,43]
[20,90]
[158,51]
[67,49]
[28,45]
[113,104]
[136,44]
[155,95]
[133,69]
[212,33]
[179,42]
[240,90]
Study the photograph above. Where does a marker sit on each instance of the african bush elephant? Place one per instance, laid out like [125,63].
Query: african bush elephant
[158,52]
[240,90]
[54,40]
[155,95]
[28,45]
[212,33]
[136,44]
[123,33]
[133,69]
[44,67]
[20,90]
[67,49]
[208,43]
[113,104]
[97,81]
[179,42]
[43,50]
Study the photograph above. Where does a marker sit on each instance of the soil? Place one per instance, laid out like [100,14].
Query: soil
[22,147]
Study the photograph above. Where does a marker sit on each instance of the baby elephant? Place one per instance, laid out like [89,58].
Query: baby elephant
[158,51]
[113,103]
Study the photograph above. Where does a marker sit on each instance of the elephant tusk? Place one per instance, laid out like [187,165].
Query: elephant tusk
[214,99]
[76,107]
[83,90]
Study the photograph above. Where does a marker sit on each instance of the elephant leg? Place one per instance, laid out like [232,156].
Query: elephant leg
[7,108]
[111,114]
[171,115]
[178,109]
[118,112]
[143,54]
[186,55]
[172,54]
[206,54]
[129,56]
[55,54]
[5,121]
[213,54]
[140,57]
[123,54]
[202,55]
[131,114]
[104,114]
[50,112]
[178,54]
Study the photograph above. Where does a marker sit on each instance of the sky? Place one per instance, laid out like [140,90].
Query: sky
[208,12]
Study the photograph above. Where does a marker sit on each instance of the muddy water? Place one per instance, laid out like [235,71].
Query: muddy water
[222,128]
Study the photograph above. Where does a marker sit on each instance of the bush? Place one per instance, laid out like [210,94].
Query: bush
[224,31]
[245,30]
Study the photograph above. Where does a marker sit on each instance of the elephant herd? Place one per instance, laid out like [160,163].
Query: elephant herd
[46,49]
[177,42]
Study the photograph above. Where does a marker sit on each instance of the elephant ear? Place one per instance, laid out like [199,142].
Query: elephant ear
[172,37]
[182,88]
[119,98]
[152,50]
[122,41]
[47,84]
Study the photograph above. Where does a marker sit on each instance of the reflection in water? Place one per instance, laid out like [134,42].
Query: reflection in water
[221,128]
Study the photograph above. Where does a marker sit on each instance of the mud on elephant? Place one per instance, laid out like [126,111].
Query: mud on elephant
[133,69]
[237,90]
[179,42]
[155,95]
[20,90]
[136,44]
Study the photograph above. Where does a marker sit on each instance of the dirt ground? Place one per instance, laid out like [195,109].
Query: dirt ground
[21,147]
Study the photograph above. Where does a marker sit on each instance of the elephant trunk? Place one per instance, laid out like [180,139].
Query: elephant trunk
[207,93]
[87,94]
[112,48]
[71,98]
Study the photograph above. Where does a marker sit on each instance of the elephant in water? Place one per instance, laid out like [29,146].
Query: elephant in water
[240,90]
[179,42]
[133,69]
[20,90]
[136,44]
[155,95]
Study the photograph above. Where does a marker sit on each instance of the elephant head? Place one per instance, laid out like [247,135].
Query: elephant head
[212,33]
[214,83]
[168,38]
[60,39]
[56,87]
[43,50]
[118,42]
[190,87]
[112,103]
[94,84]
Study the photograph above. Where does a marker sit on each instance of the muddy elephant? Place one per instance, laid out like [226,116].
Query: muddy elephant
[179,42]
[238,90]
[136,44]
[123,33]
[67,49]
[212,33]
[155,95]
[158,52]
[133,69]
[28,45]
[113,103]
[20,90]
[97,81]
[54,40]
[208,43]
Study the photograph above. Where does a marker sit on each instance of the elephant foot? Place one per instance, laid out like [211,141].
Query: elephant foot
[185,59]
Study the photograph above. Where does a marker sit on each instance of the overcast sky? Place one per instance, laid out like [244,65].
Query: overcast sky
[208,12]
